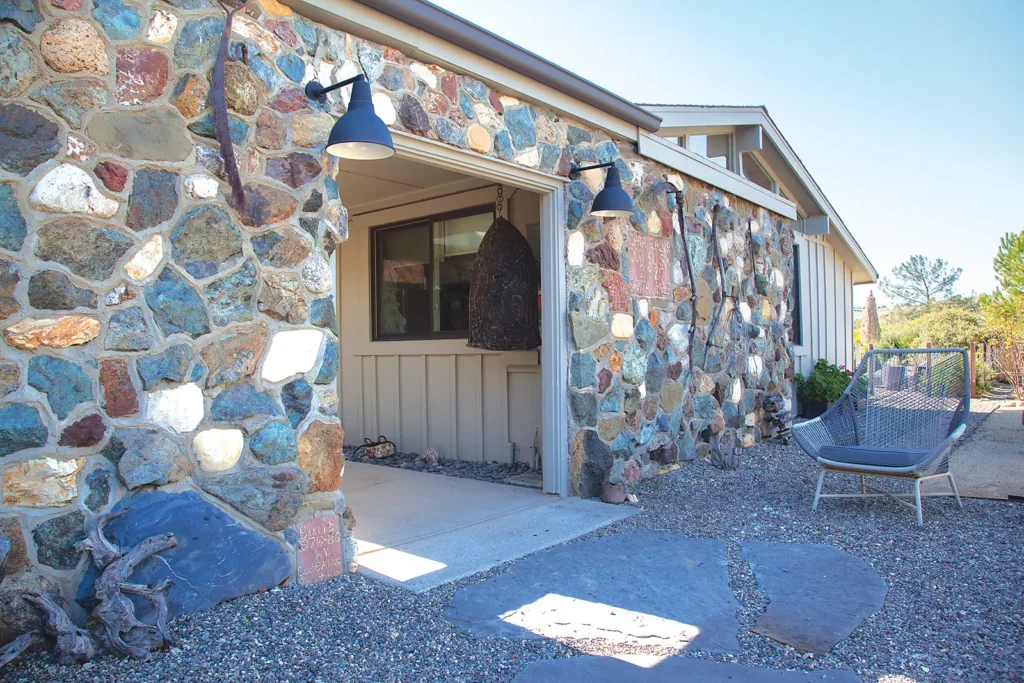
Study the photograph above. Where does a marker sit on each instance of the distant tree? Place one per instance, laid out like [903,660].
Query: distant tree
[921,281]
[1009,263]
[872,331]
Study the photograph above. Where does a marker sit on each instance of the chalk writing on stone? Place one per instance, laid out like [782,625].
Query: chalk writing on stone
[319,551]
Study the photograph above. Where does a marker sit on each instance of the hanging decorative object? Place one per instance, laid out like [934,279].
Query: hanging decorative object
[218,99]
[503,310]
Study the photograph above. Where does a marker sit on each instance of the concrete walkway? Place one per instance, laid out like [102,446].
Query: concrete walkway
[648,669]
[420,530]
[990,464]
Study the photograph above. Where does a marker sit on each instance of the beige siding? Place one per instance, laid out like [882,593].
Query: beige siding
[436,393]
[827,296]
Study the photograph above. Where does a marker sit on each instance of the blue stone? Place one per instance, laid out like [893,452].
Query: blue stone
[230,297]
[466,105]
[307,32]
[64,383]
[549,156]
[656,372]
[128,331]
[392,78]
[519,121]
[705,406]
[264,70]
[575,299]
[216,558]
[198,41]
[241,401]
[582,369]
[322,314]
[449,133]
[329,364]
[119,20]
[622,445]
[21,427]
[646,432]
[292,66]
[634,364]
[12,223]
[575,214]
[580,191]
[176,305]
[205,127]
[198,371]
[331,187]
[607,152]
[645,334]
[625,172]
[274,443]
[170,364]
[612,402]
[584,408]
[577,135]
[503,145]
[475,88]
[662,424]
[23,13]
[297,397]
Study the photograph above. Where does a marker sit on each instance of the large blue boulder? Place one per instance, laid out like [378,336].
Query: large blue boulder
[217,558]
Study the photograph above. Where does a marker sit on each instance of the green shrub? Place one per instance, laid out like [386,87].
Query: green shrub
[826,383]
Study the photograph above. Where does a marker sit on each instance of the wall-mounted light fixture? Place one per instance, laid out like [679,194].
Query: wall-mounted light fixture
[359,133]
[612,201]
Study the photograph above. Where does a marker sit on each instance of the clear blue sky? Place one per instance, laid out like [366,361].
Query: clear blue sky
[910,115]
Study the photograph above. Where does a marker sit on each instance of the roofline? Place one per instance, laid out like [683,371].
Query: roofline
[792,158]
[467,35]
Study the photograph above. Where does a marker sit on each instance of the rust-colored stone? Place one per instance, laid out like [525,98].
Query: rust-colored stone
[618,292]
[450,87]
[604,256]
[83,433]
[435,102]
[190,95]
[320,455]
[141,74]
[17,559]
[615,362]
[289,100]
[113,175]
[29,334]
[393,55]
[270,130]
[119,396]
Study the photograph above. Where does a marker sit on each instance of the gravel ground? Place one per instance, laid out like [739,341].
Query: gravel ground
[954,610]
[483,471]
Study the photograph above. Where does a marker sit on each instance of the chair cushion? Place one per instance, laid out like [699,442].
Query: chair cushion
[871,455]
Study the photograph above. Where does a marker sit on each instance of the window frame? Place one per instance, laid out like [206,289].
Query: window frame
[797,313]
[376,275]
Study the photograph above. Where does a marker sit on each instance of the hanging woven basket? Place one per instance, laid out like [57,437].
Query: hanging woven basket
[503,312]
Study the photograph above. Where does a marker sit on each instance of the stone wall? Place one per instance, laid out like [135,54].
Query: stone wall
[164,351]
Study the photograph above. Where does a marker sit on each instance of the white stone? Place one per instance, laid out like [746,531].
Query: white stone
[622,326]
[384,108]
[755,227]
[247,28]
[202,186]
[778,279]
[69,189]
[424,72]
[508,101]
[643,390]
[643,307]
[597,307]
[486,115]
[335,219]
[745,311]
[218,449]
[347,70]
[530,157]
[180,408]
[292,352]
[677,272]
[575,247]
[316,275]
[679,337]
[78,148]
[162,27]
[42,483]
[755,364]
[737,391]
[146,259]
[751,419]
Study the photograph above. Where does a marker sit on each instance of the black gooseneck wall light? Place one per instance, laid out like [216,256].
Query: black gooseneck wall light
[359,133]
[612,201]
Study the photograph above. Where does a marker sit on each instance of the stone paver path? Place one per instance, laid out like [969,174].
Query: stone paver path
[645,587]
[818,593]
[671,670]
[659,588]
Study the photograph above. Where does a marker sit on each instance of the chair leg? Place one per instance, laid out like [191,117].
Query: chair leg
[956,492]
[863,488]
[917,500]
[817,492]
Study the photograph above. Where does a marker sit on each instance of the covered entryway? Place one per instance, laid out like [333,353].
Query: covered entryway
[407,373]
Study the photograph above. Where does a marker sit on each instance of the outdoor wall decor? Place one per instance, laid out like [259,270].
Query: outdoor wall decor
[503,313]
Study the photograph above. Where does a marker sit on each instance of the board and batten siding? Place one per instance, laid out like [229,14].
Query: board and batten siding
[465,403]
[826,304]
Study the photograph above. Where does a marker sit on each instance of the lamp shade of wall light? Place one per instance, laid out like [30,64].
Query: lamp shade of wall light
[612,201]
[359,134]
